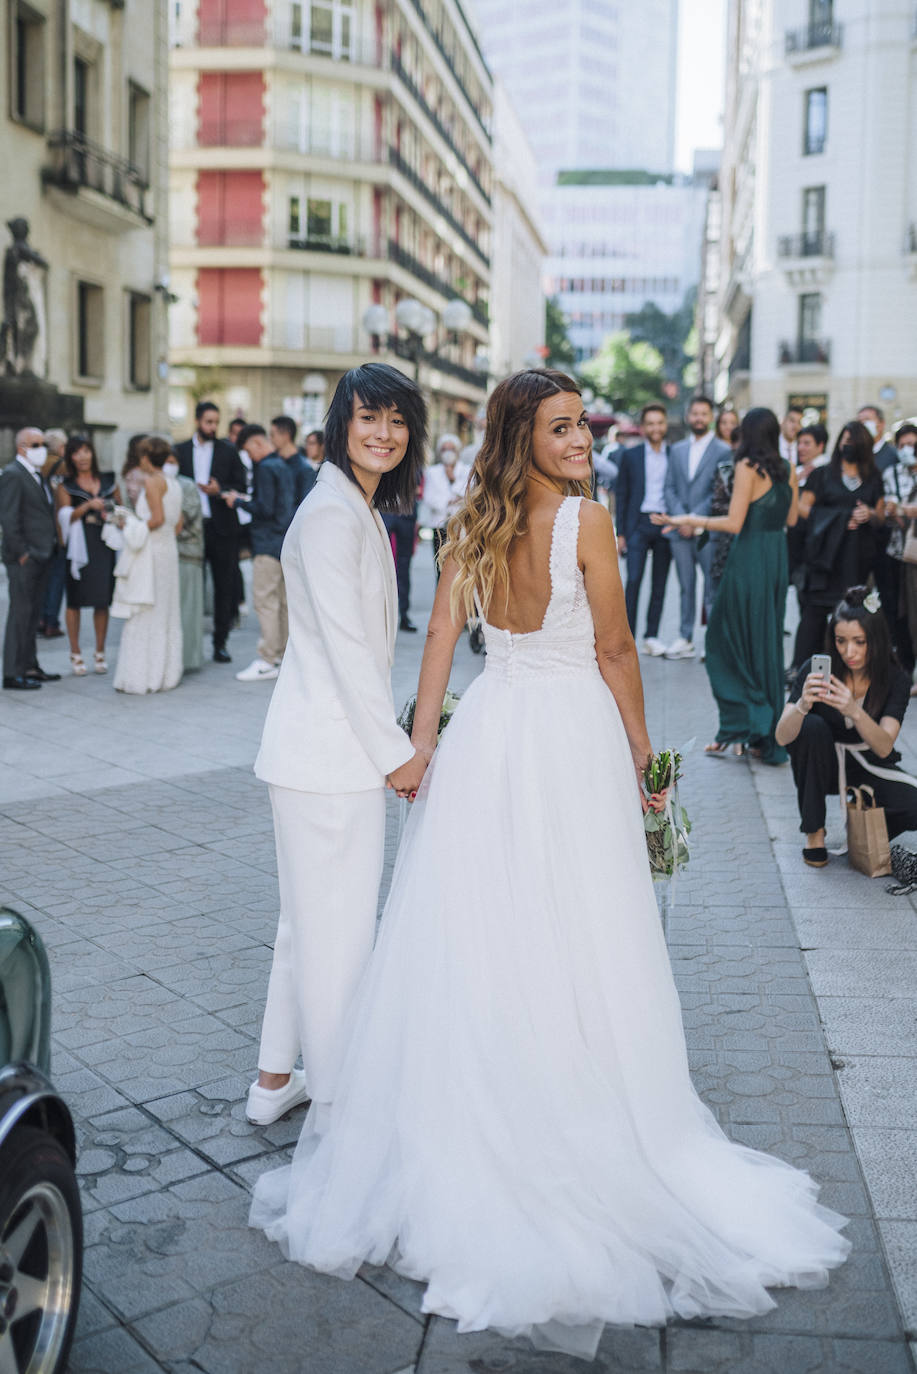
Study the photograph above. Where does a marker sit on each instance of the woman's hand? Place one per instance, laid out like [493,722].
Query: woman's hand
[406,779]
[813,690]
[839,695]
[861,515]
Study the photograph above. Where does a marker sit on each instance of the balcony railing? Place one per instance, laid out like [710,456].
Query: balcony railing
[231,133]
[820,35]
[77,162]
[444,131]
[450,61]
[815,243]
[329,243]
[231,33]
[804,351]
[417,181]
[404,259]
[403,348]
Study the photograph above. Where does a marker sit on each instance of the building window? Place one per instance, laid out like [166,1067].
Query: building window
[821,14]
[813,219]
[138,129]
[139,339]
[319,220]
[27,67]
[90,332]
[809,328]
[295,218]
[323,26]
[815,133]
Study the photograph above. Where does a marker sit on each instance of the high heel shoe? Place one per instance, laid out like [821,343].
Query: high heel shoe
[78,667]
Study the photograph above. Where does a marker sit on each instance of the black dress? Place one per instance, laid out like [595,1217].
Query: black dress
[96,582]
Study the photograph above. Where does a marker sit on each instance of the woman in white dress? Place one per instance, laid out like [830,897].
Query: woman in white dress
[514,1121]
[150,652]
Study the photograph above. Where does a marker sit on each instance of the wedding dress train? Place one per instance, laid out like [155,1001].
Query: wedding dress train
[515,1123]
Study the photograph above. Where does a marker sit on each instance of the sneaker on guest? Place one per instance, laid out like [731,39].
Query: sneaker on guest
[652,646]
[682,648]
[259,671]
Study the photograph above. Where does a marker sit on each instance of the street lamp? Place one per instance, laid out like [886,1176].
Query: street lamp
[418,322]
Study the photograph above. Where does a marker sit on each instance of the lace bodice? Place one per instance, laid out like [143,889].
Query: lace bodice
[566,641]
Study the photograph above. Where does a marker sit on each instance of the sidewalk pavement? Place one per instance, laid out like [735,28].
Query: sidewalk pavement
[134,834]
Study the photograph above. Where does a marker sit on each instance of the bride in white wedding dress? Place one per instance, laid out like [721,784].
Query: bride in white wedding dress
[514,1123]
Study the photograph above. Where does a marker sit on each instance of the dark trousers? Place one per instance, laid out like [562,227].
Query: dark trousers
[27,583]
[439,539]
[401,531]
[810,634]
[57,579]
[646,539]
[814,762]
[222,553]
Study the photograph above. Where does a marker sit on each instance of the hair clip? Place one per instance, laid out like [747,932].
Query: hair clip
[872,602]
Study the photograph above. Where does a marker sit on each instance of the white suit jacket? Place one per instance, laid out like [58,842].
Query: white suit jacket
[331,726]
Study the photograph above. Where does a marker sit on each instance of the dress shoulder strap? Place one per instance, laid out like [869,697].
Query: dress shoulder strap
[564,563]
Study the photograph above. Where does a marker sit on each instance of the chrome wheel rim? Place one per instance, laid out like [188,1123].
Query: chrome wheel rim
[36,1281]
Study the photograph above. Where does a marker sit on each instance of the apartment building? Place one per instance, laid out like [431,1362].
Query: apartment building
[327,157]
[83,136]
[818,232]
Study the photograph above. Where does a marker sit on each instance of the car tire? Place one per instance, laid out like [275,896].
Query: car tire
[41,1253]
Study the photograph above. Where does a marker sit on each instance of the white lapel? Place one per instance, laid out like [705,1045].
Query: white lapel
[377,536]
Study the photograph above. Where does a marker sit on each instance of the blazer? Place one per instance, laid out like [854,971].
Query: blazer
[227,468]
[270,505]
[691,496]
[630,489]
[303,474]
[330,726]
[26,515]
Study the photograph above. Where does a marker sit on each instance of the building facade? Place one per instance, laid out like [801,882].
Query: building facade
[83,134]
[818,249]
[327,156]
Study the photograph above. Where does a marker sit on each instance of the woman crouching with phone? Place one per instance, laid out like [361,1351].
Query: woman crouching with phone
[842,719]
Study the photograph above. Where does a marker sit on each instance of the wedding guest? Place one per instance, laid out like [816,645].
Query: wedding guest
[190,540]
[131,477]
[639,494]
[83,501]
[843,504]
[744,646]
[49,625]
[790,426]
[147,595]
[444,486]
[283,437]
[236,424]
[330,741]
[900,483]
[842,733]
[271,507]
[884,451]
[315,449]
[29,542]
[689,488]
[402,533]
[727,426]
[216,467]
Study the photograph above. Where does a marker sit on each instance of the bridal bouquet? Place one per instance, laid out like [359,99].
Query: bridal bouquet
[406,719]
[667,831]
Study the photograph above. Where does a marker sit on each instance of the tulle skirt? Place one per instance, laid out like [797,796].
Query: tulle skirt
[515,1124]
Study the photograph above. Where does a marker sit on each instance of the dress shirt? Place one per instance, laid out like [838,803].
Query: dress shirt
[203,458]
[696,452]
[656,462]
[244,515]
[788,450]
[34,472]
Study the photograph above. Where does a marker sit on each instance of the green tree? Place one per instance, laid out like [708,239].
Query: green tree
[560,349]
[629,373]
[670,335]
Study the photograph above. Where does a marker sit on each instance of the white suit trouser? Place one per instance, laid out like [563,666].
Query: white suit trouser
[330,850]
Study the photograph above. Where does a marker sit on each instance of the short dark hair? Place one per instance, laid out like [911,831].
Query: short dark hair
[248,432]
[380,387]
[286,423]
[157,449]
[794,409]
[817,431]
[879,414]
[906,428]
[700,400]
[237,420]
[318,434]
[650,407]
[78,441]
[203,406]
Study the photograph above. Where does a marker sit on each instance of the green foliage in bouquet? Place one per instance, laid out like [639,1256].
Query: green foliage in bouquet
[666,831]
[406,719]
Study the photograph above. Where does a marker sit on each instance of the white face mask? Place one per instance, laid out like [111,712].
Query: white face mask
[872,427]
[170,469]
[906,453]
[36,456]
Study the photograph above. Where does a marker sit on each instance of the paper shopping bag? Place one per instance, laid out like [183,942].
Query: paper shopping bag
[867,834]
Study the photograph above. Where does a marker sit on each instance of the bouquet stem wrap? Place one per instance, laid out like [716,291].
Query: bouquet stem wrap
[667,830]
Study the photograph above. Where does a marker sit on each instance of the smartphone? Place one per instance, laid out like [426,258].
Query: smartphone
[821,663]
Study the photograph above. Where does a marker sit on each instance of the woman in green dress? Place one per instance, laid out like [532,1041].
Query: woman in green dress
[744,647]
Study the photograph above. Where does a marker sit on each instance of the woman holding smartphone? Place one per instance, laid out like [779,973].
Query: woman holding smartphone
[840,727]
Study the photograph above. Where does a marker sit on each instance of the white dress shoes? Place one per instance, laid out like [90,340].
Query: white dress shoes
[267,1105]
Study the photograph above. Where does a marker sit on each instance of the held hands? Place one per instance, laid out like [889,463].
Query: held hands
[230,497]
[685,524]
[405,780]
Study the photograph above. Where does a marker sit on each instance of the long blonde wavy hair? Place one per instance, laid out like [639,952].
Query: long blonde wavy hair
[481,532]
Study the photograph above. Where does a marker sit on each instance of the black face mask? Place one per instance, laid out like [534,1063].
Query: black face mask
[848,453]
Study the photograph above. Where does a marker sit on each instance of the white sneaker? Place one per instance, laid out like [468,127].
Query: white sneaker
[259,671]
[682,648]
[267,1105]
[654,647]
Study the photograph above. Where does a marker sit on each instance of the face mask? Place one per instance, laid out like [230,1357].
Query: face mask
[170,469]
[36,456]
[872,427]
[848,453]
[906,453]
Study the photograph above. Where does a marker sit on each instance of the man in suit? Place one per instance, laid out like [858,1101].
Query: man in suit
[216,467]
[283,438]
[688,490]
[29,544]
[640,494]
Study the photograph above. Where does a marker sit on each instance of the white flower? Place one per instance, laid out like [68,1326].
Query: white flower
[872,602]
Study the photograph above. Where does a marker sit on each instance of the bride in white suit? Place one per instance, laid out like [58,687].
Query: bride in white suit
[331,744]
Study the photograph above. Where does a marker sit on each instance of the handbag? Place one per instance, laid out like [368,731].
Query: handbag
[867,834]
[909,551]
